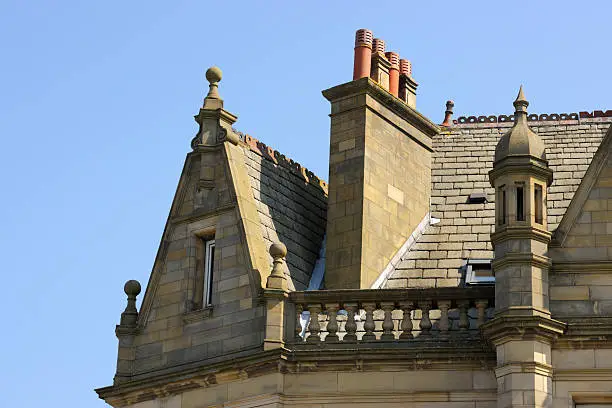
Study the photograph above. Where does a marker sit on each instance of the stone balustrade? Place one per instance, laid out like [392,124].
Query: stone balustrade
[383,315]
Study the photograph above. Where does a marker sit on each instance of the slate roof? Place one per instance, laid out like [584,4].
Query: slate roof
[462,158]
[292,206]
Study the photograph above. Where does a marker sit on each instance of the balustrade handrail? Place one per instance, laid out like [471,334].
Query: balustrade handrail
[394,295]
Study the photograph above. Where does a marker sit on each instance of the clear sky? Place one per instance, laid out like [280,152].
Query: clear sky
[96,114]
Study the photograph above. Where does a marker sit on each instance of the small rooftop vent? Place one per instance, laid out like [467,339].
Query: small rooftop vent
[479,197]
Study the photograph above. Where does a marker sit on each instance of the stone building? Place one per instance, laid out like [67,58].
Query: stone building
[462,264]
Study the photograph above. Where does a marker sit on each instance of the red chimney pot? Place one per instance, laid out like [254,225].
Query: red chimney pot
[378,45]
[394,72]
[363,54]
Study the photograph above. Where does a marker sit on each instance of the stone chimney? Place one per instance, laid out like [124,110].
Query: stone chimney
[407,85]
[379,175]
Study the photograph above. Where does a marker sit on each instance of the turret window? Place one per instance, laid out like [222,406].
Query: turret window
[539,203]
[520,202]
[502,210]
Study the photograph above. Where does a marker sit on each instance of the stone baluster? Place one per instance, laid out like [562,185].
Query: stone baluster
[369,326]
[299,308]
[332,325]
[406,321]
[425,323]
[351,325]
[313,327]
[481,306]
[464,321]
[444,324]
[387,324]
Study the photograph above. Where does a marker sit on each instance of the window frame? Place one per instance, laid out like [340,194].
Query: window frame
[470,275]
[208,264]
[520,201]
[538,203]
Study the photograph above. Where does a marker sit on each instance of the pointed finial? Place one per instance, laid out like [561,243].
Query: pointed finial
[521,95]
[520,106]
[520,103]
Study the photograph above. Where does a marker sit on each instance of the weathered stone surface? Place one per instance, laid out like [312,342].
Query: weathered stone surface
[462,158]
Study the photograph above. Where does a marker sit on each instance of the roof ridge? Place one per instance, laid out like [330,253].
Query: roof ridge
[533,117]
[278,158]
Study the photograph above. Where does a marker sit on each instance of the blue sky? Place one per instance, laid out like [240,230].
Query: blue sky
[96,115]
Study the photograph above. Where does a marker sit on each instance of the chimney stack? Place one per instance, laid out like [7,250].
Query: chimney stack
[407,85]
[379,168]
[380,64]
[394,59]
[363,54]
[448,114]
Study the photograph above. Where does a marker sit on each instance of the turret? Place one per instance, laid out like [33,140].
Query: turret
[520,177]
[522,330]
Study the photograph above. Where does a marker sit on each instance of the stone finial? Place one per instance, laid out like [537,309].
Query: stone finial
[520,106]
[277,279]
[213,76]
[448,114]
[130,314]
[213,100]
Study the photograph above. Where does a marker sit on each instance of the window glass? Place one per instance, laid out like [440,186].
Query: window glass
[209,262]
[520,200]
[537,199]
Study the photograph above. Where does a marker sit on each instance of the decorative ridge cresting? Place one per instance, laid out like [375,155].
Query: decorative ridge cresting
[534,117]
[280,159]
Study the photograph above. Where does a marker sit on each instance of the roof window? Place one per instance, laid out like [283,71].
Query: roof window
[478,197]
[479,272]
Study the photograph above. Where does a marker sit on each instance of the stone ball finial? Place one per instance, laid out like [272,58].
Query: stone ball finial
[278,250]
[132,288]
[214,74]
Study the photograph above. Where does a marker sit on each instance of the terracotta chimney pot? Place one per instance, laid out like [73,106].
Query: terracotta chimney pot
[448,114]
[363,54]
[394,72]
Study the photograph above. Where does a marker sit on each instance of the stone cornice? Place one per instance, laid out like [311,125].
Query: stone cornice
[508,232]
[521,258]
[586,332]
[502,329]
[519,367]
[584,374]
[460,354]
[396,105]
[523,165]
[582,267]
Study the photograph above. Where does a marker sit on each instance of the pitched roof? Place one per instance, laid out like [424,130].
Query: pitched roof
[292,206]
[462,158]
